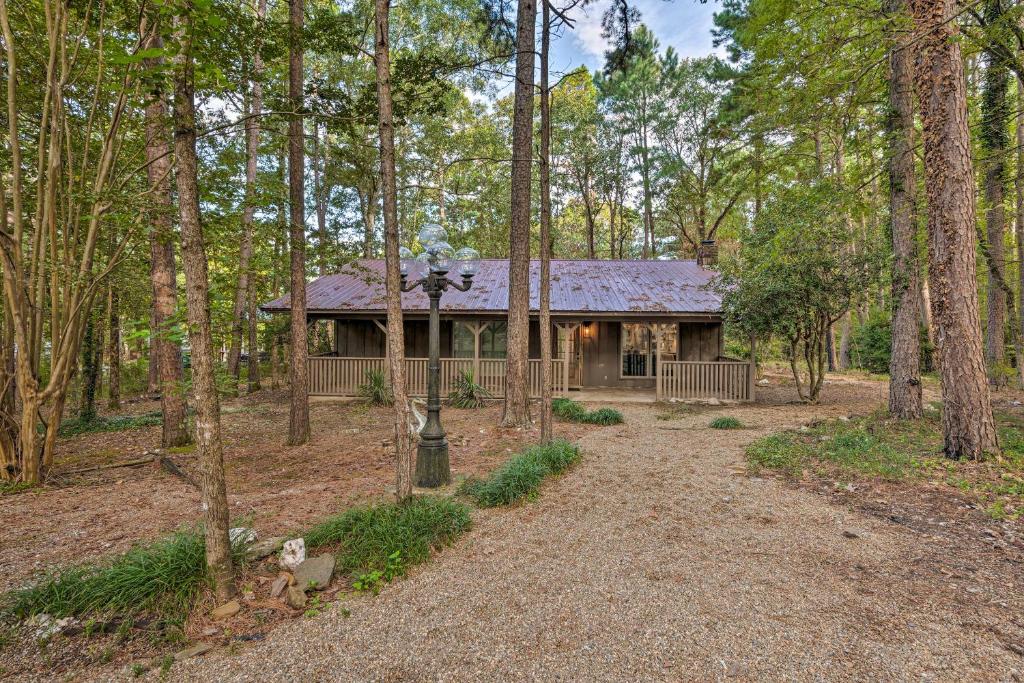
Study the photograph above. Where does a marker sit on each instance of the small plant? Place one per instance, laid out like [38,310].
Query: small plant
[521,476]
[376,389]
[726,422]
[604,416]
[467,393]
[138,669]
[571,411]
[374,581]
[314,607]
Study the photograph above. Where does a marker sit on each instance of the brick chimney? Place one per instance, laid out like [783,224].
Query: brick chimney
[707,254]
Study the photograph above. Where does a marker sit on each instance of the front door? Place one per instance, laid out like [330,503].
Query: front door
[571,346]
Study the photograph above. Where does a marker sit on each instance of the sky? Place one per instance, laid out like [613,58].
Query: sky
[683,24]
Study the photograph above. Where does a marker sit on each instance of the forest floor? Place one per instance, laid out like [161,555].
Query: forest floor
[661,556]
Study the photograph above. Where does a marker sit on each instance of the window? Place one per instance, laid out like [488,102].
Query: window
[639,348]
[493,340]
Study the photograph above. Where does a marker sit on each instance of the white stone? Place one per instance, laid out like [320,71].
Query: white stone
[293,553]
[242,535]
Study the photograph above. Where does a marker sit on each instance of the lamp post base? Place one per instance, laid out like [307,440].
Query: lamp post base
[432,469]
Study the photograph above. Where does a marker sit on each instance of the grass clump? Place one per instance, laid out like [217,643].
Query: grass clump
[522,475]
[467,393]
[572,411]
[376,390]
[117,423]
[368,536]
[163,577]
[725,422]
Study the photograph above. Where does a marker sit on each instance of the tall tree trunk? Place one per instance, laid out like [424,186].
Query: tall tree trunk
[905,361]
[645,173]
[90,371]
[517,398]
[395,337]
[545,228]
[165,352]
[968,425]
[254,344]
[994,137]
[252,151]
[114,349]
[1019,192]
[197,289]
[298,424]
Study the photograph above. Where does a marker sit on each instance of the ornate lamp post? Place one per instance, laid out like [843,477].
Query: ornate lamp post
[430,271]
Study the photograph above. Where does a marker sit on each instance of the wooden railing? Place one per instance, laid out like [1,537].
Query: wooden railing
[726,380]
[337,376]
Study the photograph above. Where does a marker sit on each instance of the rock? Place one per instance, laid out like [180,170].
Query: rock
[293,553]
[226,611]
[295,597]
[844,418]
[46,626]
[194,651]
[264,548]
[242,535]
[280,583]
[763,382]
[315,572]
[852,533]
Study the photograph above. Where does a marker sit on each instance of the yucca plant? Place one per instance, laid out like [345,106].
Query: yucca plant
[467,393]
[376,390]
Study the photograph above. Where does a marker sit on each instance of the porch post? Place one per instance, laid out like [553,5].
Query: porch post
[657,361]
[384,329]
[753,368]
[477,329]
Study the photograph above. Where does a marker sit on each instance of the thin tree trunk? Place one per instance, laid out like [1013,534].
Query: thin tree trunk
[165,352]
[114,350]
[197,289]
[517,399]
[298,423]
[968,425]
[905,361]
[90,372]
[1019,192]
[395,337]
[254,344]
[545,228]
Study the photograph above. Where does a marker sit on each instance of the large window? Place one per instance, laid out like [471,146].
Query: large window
[638,348]
[493,340]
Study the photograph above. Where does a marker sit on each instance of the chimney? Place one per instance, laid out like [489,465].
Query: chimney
[707,254]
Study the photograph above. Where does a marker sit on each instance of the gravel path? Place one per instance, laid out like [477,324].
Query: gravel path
[656,558]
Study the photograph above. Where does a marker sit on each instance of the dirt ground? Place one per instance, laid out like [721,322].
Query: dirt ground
[272,488]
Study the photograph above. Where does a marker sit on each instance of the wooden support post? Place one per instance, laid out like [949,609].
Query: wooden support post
[384,329]
[477,329]
[656,328]
[752,379]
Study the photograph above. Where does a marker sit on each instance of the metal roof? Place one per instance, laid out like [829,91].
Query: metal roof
[609,286]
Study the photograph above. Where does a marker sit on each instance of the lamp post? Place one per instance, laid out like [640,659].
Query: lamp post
[430,271]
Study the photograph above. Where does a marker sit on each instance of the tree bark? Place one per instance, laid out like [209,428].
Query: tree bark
[395,337]
[252,150]
[165,352]
[254,345]
[197,289]
[90,372]
[905,361]
[298,423]
[114,350]
[1019,192]
[968,426]
[545,228]
[517,399]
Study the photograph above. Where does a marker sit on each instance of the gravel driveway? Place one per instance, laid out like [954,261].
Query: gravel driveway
[658,558]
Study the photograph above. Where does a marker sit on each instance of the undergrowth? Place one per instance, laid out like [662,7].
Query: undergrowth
[75,426]
[725,422]
[522,475]
[467,393]
[572,411]
[376,390]
[368,536]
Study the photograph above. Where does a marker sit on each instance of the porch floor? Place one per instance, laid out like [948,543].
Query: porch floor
[613,395]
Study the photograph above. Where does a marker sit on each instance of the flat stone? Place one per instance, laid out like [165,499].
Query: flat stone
[852,533]
[315,572]
[264,548]
[226,611]
[280,583]
[194,651]
[295,597]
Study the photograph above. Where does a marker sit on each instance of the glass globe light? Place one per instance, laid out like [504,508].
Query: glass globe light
[443,255]
[407,261]
[422,265]
[431,235]
[468,260]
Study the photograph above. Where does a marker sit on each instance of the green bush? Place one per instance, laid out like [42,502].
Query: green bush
[571,411]
[376,390]
[368,536]
[872,344]
[163,576]
[467,393]
[522,475]
[603,416]
[725,422]
[75,426]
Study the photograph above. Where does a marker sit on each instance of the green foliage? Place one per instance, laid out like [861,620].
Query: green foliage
[368,536]
[467,393]
[376,390]
[522,475]
[375,580]
[872,344]
[573,411]
[116,423]
[725,422]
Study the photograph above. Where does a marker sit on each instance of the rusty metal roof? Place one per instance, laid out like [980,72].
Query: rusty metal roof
[600,287]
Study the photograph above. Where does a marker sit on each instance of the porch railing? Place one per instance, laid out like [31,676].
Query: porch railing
[338,376]
[726,380]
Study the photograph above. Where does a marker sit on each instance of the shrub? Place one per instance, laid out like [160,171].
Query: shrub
[376,390]
[571,411]
[467,393]
[603,416]
[522,475]
[725,422]
[368,536]
[117,423]
[163,576]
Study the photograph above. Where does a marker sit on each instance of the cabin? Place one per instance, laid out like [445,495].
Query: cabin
[651,327]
